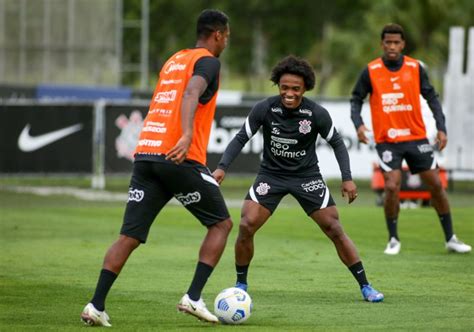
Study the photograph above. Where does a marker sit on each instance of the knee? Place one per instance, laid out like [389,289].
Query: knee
[246,230]
[333,229]
[226,225]
[128,242]
[392,188]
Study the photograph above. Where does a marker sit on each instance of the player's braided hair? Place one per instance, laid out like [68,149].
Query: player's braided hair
[392,28]
[211,20]
[296,66]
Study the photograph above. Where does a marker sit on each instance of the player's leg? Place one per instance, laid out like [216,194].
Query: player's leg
[328,220]
[422,160]
[390,157]
[262,199]
[439,200]
[197,190]
[392,181]
[253,216]
[146,198]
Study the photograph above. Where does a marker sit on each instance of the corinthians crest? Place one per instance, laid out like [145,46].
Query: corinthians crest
[262,188]
[130,131]
[305,126]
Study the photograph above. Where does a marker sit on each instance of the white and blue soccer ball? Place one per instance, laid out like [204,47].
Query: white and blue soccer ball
[233,306]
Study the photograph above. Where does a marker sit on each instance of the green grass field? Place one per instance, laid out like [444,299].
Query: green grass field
[51,251]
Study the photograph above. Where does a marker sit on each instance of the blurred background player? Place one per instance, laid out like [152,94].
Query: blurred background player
[395,82]
[291,124]
[170,161]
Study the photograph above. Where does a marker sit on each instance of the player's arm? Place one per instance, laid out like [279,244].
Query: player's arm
[431,96]
[332,136]
[195,88]
[200,89]
[362,88]
[248,130]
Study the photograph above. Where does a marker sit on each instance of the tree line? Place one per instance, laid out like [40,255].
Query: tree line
[337,37]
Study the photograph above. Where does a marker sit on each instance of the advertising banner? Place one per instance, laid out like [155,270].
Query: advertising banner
[41,138]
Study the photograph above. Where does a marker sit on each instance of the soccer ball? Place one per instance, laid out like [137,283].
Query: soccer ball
[233,306]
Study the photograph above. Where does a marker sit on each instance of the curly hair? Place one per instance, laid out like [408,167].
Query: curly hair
[296,66]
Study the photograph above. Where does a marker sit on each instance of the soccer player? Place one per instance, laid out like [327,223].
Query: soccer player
[170,162]
[291,124]
[395,82]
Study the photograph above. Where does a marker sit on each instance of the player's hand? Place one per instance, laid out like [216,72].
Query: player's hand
[179,152]
[219,175]
[441,140]
[361,134]
[349,189]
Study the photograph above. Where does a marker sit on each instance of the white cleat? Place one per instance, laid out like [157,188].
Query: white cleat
[196,308]
[93,317]
[457,246]
[393,247]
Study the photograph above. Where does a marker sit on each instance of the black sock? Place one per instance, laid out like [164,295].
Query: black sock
[242,271]
[359,274]
[447,225]
[392,227]
[105,282]
[203,271]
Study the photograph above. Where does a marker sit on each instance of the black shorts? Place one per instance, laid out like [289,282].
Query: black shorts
[311,192]
[419,156]
[153,184]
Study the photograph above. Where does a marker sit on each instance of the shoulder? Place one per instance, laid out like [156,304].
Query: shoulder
[375,64]
[313,106]
[411,62]
[207,67]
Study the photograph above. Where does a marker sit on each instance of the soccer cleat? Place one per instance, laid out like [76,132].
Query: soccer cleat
[93,317]
[196,308]
[371,295]
[393,247]
[242,286]
[457,246]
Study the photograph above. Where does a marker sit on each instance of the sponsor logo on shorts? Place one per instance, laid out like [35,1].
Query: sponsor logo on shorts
[189,198]
[387,156]
[313,185]
[305,126]
[262,188]
[135,195]
[425,148]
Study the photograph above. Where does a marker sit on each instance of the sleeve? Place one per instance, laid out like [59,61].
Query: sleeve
[331,135]
[252,123]
[431,96]
[362,88]
[207,67]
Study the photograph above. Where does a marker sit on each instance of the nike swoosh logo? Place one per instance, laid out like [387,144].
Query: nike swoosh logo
[393,79]
[28,143]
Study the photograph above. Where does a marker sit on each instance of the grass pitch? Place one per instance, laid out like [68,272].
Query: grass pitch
[51,251]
